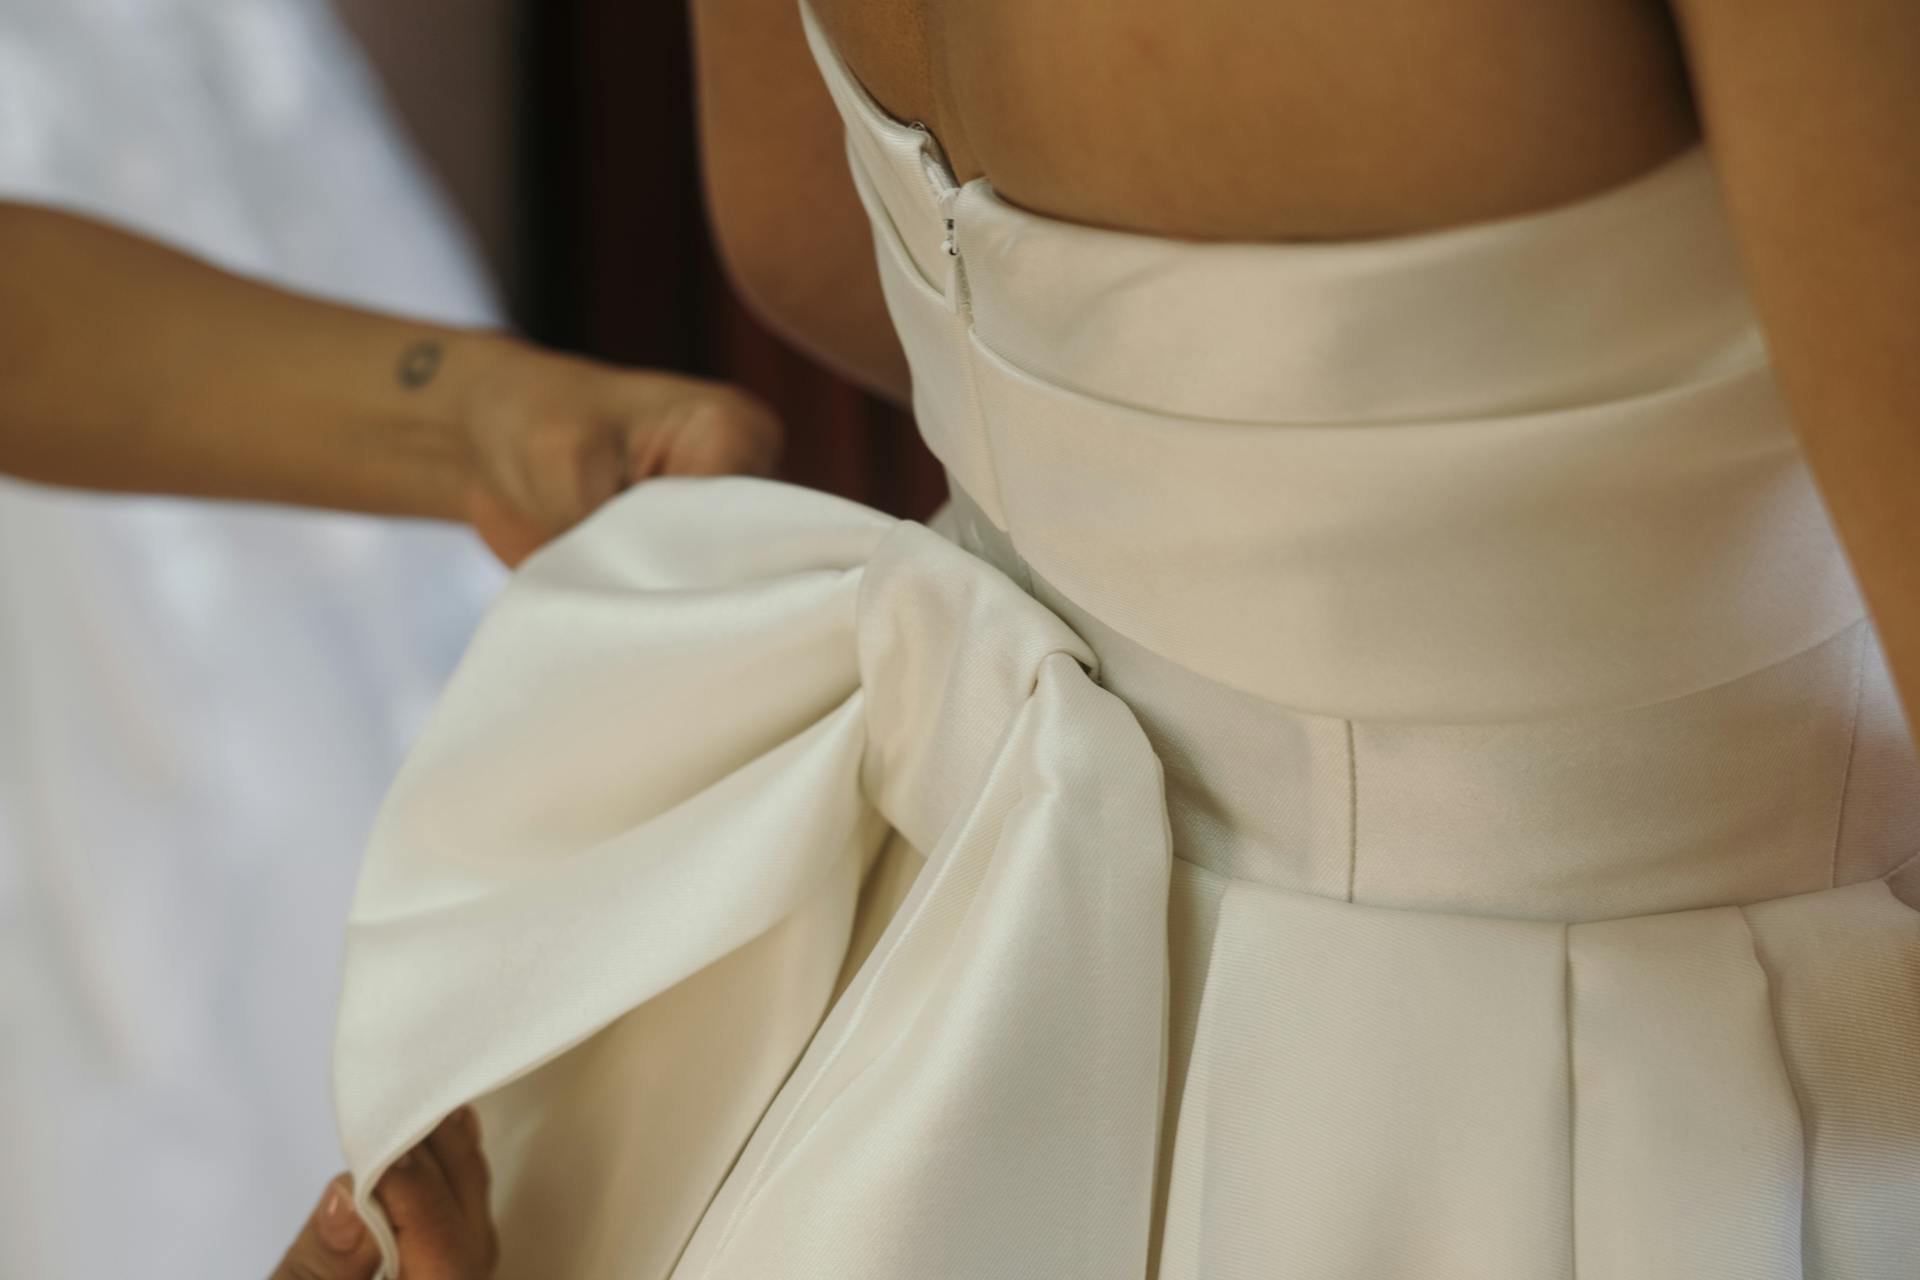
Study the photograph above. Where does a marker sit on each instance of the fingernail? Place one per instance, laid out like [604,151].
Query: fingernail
[339,1226]
[405,1161]
[470,1119]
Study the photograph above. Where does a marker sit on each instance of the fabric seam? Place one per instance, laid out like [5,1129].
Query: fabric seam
[1787,1074]
[1573,1170]
[1353,813]
[1853,745]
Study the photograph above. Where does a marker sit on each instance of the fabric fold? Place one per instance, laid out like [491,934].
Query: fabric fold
[1685,1163]
[638,895]
[611,893]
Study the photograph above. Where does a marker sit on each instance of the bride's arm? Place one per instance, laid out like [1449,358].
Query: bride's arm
[1813,111]
[127,366]
[787,221]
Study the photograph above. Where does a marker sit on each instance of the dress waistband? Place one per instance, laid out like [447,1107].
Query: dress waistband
[1791,779]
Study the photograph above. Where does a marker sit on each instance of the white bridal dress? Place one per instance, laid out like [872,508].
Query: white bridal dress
[200,704]
[1382,775]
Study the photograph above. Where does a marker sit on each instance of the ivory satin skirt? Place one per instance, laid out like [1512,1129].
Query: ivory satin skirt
[798,898]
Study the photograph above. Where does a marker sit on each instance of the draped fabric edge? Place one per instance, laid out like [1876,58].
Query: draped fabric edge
[689,726]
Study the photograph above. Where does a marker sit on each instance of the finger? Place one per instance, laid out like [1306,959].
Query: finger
[600,472]
[418,1199]
[570,470]
[436,1239]
[456,1143]
[508,534]
[334,1244]
[718,431]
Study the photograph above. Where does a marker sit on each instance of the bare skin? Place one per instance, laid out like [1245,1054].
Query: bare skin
[1223,120]
[1216,120]
[782,207]
[127,366]
[435,1198]
[1321,121]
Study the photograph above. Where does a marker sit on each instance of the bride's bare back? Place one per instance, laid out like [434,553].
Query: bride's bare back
[1314,119]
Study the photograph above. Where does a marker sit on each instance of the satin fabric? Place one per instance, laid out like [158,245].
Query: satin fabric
[1466,627]
[708,862]
[638,923]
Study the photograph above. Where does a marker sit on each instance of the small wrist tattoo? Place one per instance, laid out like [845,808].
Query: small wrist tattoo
[419,363]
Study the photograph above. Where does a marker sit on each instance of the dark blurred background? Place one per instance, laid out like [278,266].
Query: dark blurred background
[564,132]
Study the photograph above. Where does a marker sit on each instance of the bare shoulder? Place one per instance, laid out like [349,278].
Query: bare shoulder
[1255,119]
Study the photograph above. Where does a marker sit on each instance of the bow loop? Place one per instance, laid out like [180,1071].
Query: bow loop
[613,896]
[949,650]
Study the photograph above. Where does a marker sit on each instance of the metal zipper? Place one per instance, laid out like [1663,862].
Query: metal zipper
[944,174]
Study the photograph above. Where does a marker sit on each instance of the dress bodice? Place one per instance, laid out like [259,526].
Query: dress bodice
[1447,520]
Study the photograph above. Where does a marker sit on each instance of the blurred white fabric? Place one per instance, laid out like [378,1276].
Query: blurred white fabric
[200,705]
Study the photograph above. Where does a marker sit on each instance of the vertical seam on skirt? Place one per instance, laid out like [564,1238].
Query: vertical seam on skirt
[1168,1159]
[779,1150]
[1786,1073]
[1353,813]
[1853,745]
[1573,1170]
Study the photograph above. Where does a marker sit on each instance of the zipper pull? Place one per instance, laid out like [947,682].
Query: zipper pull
[958,299]
[950,245]
[940,174]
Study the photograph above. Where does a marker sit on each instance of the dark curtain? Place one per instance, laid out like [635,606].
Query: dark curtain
[616,261]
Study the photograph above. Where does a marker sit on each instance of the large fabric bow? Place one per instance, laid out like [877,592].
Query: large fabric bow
[647,890]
